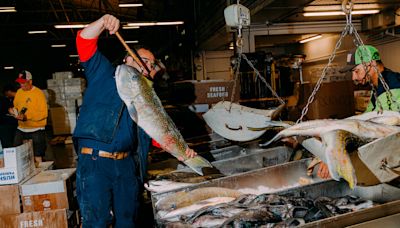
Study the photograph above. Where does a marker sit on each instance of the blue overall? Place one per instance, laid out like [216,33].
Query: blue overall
[104,184]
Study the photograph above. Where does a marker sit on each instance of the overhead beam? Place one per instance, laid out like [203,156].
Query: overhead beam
[293,28]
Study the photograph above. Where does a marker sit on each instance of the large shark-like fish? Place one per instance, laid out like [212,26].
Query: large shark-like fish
[336,137]
[146,110]
[363,129]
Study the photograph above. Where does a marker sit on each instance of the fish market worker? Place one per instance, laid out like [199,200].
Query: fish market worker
[107,138]
[369,55]
[30,109]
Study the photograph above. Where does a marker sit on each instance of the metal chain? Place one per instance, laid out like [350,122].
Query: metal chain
[263,79]
[320,80]
[239,60]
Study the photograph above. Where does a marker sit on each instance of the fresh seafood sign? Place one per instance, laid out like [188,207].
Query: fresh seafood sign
[146,110]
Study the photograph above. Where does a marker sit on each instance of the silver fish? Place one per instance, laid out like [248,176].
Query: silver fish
[146,110]
[363,129]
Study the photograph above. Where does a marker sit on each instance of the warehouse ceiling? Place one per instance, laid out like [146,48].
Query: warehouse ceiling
[204,28]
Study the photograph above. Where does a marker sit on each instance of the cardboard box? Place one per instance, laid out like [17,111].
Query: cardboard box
[333,100]
[63,123]
[18,163]
[9,200]
[50,189]
[204,91]
[59,218]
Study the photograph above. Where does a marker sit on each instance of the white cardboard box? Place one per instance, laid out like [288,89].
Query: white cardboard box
[18,163]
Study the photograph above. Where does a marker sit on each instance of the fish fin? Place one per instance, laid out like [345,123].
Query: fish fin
[132,112]
[338,159]
[270,141]
[197,164]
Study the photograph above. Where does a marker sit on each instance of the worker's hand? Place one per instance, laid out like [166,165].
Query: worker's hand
[190,153]
[290,142]
[11,111]
[111,23]
[323,171]
[21,117]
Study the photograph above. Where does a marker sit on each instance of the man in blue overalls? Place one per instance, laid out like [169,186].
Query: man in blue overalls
[107,138]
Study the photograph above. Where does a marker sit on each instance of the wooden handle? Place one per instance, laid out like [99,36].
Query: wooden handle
[135,57]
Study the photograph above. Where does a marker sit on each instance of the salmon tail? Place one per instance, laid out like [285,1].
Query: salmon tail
[197,164]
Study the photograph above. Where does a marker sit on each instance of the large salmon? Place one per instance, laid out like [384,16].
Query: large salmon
[146,110]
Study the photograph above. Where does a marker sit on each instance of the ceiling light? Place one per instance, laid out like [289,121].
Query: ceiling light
[73,56]
[131,41]
[70,26]
[8,9]
[310,38]
[156,23]
[58,45]
[37,32]
[170,23]
[8,67]
[130,5]
[130,27]
[336,13]
[339,7]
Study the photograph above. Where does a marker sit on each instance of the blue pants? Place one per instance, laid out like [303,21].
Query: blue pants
[105,185]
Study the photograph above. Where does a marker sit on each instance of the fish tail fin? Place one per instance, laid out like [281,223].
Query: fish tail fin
[197,164]
[338,159]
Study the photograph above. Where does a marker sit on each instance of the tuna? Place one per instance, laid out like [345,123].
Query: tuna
[146,110]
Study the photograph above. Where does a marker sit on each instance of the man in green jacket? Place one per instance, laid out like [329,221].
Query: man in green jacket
[365,64]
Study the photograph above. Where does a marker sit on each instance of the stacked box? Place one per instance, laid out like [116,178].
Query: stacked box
[60,218]
[18,163]
[64,92]
[49,190]
[332,74]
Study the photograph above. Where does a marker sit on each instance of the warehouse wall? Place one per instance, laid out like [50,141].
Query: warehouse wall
[390,54]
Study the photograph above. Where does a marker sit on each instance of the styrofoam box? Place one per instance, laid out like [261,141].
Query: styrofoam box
[63,75]
[74,82]
[18,163]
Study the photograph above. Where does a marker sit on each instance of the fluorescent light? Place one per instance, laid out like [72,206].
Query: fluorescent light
[7,9]
[310,38]
[8,67]
[73,56]
[339,7]
[156,23]
[336,13]
[130,5]
[37,32]
[70,26]
[58,45]
[130,27]
[131,41]
[170,23]
[142,24]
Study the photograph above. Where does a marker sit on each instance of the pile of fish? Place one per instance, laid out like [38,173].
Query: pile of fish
[337,138]
[222,207]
